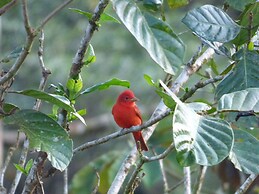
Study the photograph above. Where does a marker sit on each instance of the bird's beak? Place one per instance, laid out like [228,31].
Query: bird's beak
[134,99]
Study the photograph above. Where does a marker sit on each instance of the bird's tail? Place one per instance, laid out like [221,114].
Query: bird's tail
[140,141]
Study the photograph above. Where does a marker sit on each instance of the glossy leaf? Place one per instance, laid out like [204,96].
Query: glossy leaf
[245,22]
[90,55]
[58,100]
[211,23]
[244,75]
[157,37]
[244,100]
[107,84]
[245,152]
[74,86]
[153,4]
[199,139]
[239,4]
[45,135]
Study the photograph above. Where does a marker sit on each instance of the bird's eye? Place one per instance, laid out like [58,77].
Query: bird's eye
[126,98]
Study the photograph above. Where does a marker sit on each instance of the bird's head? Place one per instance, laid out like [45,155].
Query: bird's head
[127,97]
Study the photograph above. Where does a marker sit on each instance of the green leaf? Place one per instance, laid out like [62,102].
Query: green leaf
[45,135]
[58,100]
[107,84]
[80,112]
[8,109]
[211,23]
[157,37]
[205,140]
[245,22]
[77,115]
[20,168]
[244,75]
[168,101]
[74,86]
[90,55]
[87,14]
[177,3]
[149,80]
[239,4]
[28,166]
[244,100]
[13,55]
[245,152]
[199,107]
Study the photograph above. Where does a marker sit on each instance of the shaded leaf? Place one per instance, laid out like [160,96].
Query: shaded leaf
[244,21]
[152,4]
[211,23]
[45,135]
[244,154]
[107,84]
[13,55]
[157,37]
[58,100]
[239,4]
[244,75]
[244,100]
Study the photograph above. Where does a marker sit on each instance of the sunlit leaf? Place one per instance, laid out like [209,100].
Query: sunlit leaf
[157,37]
[211,23]
[244,154]
[199,139]
[45,135]
[58,100]
[107,84]
[74,86]
[90,55]
[244,100]
[177,3]
[244,75]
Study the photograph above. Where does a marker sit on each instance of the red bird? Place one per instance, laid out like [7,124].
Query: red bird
[126,114]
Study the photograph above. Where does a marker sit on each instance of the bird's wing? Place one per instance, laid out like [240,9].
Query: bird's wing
[138,113]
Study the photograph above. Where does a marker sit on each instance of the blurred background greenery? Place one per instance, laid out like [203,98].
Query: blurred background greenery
[118,55]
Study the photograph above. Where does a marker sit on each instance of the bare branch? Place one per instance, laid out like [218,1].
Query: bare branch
[98,183]
[200,180]
[187,181]
[26,19]
[7,161]
[200,84]
[246,184]
[91,28]
[7,6]
[65,175]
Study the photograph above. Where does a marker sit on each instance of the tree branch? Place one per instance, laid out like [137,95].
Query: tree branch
[189,69]
[200,180]
[7,6]
[246,184]
[187,181]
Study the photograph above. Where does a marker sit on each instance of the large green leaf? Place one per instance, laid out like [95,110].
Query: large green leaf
[4,2]
[58,100]
[239,4]
[244,100]
[211,23]
[244,75]
[245,21]
[157,37]
[45,135]
[105,85]
[245,152]
[199,139]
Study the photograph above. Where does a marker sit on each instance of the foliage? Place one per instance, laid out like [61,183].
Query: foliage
[201,130]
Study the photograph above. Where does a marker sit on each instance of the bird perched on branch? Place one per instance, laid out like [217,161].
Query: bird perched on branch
[126,114]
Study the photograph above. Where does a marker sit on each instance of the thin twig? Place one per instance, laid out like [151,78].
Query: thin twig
[65,176]
[7,6]
[176,186]
[200,84]
[187,182]
[7,161]
[246,184]
[162,168]
[97,184]
[200,180]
